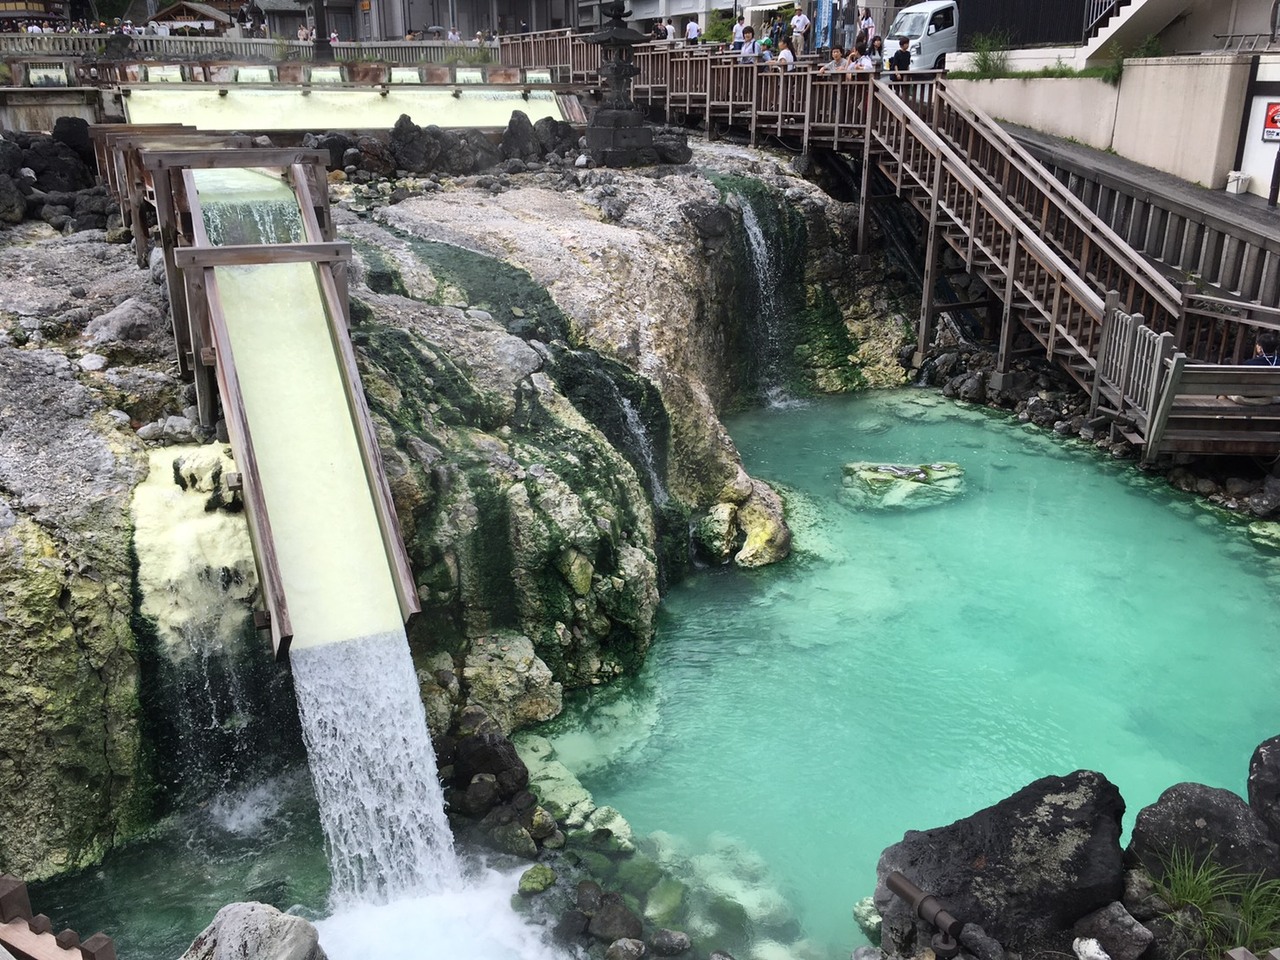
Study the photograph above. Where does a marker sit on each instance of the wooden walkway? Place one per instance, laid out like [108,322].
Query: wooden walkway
[1047,259]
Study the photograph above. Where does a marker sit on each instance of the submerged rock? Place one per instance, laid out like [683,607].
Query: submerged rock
[889,485]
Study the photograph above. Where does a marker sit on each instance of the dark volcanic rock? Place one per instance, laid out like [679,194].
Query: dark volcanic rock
[672,145]
[1119,933]
[1264,785]
[57,166]
[74,132]
[1027,868]
[1206,823]
[519,140]
[336,143]
[10,157]
[555,136]
[612,921]
[13,205]
[490,753]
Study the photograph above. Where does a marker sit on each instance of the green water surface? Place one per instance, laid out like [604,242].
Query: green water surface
[907,668]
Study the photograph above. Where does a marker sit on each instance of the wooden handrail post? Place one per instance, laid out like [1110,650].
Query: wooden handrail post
[1109,311]
[1186,291]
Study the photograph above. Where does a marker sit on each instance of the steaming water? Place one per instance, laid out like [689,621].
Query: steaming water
[374,771]
[909,668]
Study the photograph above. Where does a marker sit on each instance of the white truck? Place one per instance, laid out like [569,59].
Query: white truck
[932,29]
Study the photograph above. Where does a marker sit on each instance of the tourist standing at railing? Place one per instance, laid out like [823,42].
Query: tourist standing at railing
[901,61]
[453,35]
[837,63]
[785,59]
[800,24]
[671,30]
[875,50]
[692,31]
[738,34]
[750,46]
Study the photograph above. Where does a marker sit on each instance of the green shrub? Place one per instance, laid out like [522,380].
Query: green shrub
[991,54]
[1230,909]
[719,27]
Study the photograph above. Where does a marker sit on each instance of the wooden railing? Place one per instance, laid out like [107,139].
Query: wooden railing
[29,936]
[1058,307]
[1061,218]
[91,44]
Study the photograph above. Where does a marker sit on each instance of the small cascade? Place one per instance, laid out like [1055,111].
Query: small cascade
[644,450]
[243,206]
[766,269]
[374,770]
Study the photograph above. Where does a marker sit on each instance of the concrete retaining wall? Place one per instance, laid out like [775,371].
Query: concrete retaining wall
[1177,114]
[1076,108]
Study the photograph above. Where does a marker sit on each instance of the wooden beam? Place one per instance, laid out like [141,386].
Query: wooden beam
[244,254]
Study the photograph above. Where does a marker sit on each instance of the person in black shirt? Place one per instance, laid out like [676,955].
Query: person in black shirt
[901,60]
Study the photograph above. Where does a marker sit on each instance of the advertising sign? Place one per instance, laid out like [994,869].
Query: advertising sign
[1271,122]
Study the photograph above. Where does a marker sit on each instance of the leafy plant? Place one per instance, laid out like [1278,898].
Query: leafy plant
[991,54]
[1228,908]
[719,27]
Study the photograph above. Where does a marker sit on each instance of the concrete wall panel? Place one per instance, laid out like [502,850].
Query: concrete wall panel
[1182,115]
[1075,108]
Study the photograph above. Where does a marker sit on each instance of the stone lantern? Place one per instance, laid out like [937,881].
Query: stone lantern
[616,134]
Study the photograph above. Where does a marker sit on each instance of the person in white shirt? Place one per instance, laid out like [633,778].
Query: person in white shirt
[867,24]
[785,59]
[863,60]
[738,34]
[671,29]
[453,35]
[751,50]
[691,31]
[799,34]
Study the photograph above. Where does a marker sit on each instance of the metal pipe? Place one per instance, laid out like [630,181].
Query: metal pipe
[925,905]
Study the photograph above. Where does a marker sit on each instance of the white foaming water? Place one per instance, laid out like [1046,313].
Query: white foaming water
[767,272]
[473,920]
[246,813]
[374,771]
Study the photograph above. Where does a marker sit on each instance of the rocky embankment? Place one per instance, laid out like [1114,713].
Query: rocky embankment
[546,362]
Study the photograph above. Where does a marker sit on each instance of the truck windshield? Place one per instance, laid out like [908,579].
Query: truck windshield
[909,24]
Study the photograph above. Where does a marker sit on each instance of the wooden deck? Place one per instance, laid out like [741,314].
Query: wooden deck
[1049,262]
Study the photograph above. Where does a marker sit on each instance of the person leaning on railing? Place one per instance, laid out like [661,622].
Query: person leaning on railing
[901,60]
[752,51]
[785,60]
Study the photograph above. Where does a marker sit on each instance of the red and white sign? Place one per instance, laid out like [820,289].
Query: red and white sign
[1271,122]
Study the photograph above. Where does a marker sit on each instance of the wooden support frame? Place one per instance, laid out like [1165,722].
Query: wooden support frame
[199,263]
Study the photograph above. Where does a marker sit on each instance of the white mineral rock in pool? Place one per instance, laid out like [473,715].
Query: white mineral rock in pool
[1087,948]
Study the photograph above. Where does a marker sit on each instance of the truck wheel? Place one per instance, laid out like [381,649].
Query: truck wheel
[941,62]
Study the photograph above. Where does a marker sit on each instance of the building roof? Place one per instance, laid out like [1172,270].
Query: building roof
[282,6]
[197,11]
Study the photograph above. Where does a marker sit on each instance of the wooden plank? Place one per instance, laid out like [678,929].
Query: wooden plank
[241,254]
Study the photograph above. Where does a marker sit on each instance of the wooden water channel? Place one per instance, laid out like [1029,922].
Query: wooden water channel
[151,174]
[1047,259]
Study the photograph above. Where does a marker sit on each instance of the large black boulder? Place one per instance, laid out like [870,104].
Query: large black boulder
[74,132]
[415,148]
[612,920]
[10,157]
[57,166]
[1025,869]
[1264,785]
[490,753]
[555,136]
[336,143]
[520,140]
[1206,824]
